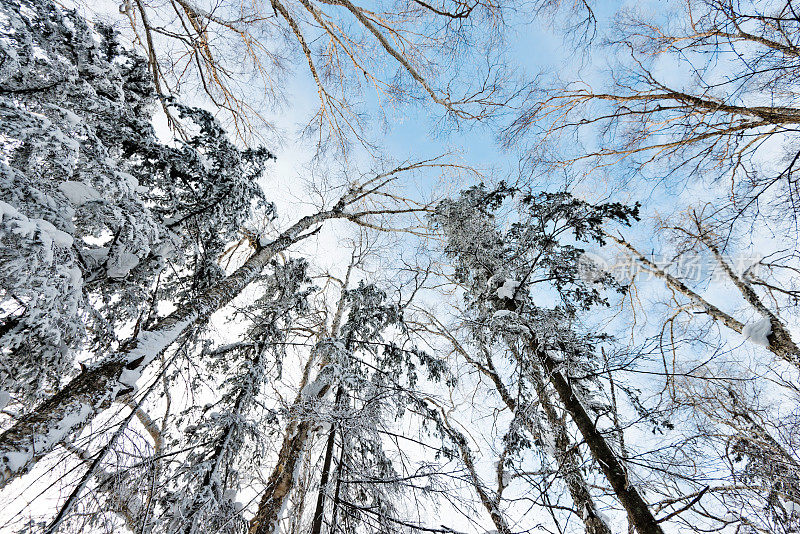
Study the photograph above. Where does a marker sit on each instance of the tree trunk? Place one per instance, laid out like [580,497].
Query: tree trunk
[316,526]
[489,502]
[780,341]
[567,457]
[566,453]
[638,512]
[281,480]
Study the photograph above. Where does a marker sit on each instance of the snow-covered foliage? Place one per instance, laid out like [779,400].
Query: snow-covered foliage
[202,494]
[506,269]
[503,264]
[370,373]
[164,368]
[506,264]
[509,268]
[367,349]
[93,205]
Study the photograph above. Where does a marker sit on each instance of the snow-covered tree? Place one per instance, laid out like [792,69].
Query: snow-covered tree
[197,194]
[506,268]
[365,383]
[164,367]
[234,428]
[99,220]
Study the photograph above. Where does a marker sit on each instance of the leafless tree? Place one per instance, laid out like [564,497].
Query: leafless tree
[706,92]
[239,54]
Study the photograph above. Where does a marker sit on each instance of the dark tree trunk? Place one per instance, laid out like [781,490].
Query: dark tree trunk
[639,513]
[316,526]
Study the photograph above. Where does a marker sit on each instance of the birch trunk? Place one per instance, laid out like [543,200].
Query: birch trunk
[780,341]
[282,479]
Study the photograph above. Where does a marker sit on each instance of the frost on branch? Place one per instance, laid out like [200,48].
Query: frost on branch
[373,368]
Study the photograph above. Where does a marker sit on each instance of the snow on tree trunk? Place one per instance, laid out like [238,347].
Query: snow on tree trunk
[204,498]
[94,207]
[75,405]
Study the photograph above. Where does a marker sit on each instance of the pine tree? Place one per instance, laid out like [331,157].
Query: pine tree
[183,202]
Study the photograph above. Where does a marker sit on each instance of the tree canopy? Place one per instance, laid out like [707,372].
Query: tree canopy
[566,304]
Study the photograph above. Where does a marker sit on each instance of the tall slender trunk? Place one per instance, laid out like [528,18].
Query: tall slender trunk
[489,500]
[316,526]
[76,404]
[489,503]
[282,479]
[639,514]
[338,485]
[567,457]
[565,451]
